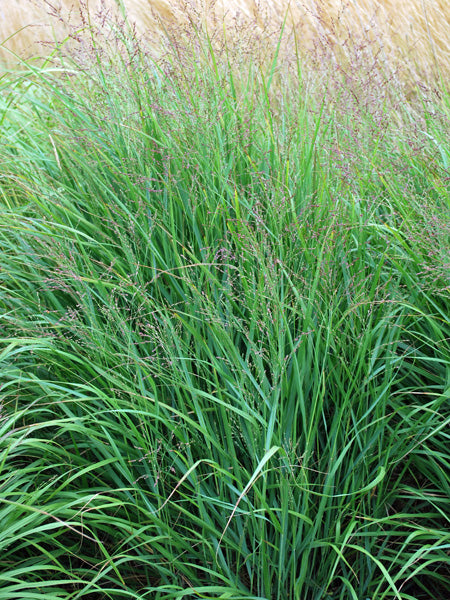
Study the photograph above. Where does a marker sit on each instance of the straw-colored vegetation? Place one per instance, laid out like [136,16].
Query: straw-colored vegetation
[224,316]
[410,31]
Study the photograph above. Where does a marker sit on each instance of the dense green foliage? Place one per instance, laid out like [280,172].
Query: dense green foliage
[224,336]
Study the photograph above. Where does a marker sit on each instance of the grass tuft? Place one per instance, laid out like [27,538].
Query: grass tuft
[225,352]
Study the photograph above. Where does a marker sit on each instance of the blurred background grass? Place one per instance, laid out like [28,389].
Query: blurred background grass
[410,34]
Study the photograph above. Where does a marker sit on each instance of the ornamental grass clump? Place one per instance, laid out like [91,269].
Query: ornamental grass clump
[224,303]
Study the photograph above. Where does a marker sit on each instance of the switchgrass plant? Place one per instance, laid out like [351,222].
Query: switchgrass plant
[225,336]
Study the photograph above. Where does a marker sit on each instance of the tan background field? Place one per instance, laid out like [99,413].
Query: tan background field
[413,31]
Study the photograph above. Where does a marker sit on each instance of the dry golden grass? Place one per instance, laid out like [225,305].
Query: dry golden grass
[415,33]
